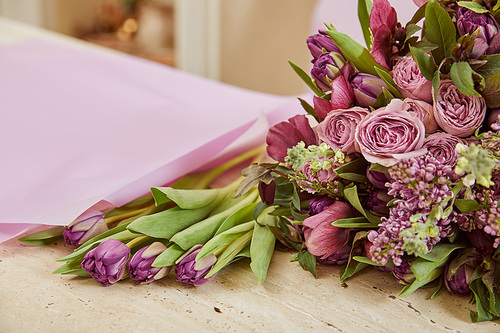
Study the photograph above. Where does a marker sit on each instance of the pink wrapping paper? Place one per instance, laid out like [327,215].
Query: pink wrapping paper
[79,126]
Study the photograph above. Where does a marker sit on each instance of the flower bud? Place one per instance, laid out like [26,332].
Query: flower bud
[377,200]
[403,273]
[267,192]
[481,241]
[338,258]
[326,69]
[140,268]
[319,203]
[377,178]
[88,225]
[320,43]
[191,272]
[469,22]
[459,271]
[107,262]
[366,88]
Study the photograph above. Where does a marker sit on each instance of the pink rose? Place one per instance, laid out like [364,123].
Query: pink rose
[457,113]
[442,147]
[337,129]
[390,134]
[424,112]
[323,239]
[410,81]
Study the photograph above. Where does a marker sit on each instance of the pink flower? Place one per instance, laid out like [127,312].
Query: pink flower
[383,21]
[288,134]
[323,239]
[390,134]
[456,113]
[410,81]
[443,147]
[420,3]
[316,178]
[337,130]
[424,112]
[342,97]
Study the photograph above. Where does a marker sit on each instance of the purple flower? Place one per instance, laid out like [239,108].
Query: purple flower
[403,273]
[469,22]
[410,81]
[424,112]
[319,203]
[267,192]
[140,268]
[443,147]
[191,272]
[457,113]
[481,241]
[383,24]
[341,97]
[377,178]
[321,238]
[319,43]
[389,134]
[366,88]
[84,227]
[288,134]
[338,258]
[107,263]
[458,272]
[327,68]
[338,128]
[377,200]
[494,119]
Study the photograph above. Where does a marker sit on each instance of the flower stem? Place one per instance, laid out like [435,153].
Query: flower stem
[125,215]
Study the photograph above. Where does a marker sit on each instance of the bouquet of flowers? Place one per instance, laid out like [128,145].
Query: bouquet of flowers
[396,165]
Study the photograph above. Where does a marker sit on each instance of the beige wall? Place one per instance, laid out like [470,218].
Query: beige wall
[259,37]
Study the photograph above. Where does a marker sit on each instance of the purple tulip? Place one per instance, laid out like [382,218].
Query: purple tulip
[338,258]
[468,22]
[458,272]
[403,273]
[107,263]
[191,272]
[481,241]
[88,225]
[366,88]
[319,203]
[319,43]
[377,200]
[377,178]
[140,268]
[327,68]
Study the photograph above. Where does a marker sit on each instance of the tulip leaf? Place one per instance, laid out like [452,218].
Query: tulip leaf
[141,202]
[461,75]
[351,194]
[440,30]
[307,261]
[474,6]
[354,222]
[379,168]
[387,78]
[306,78]
[185,199]
[366,260]
[364,10]
[265,218]
[491,92]
[425,62]
[169,256]
[169,222]
[358,166]
[467,205]
[491,66]
[355,53]
[71,265]
[440,252]
[261,250]
[242,215]
[44,237]
[223,239]
[232,250]
[309,109]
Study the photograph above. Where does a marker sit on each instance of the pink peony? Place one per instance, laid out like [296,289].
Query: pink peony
[323,239]
[337,130]
[410,81]
[424,112]
[456,113]
[288,134]
[443,147]
[390,134]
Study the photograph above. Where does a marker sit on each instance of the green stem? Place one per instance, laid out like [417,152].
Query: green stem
[136,241]
[125,215]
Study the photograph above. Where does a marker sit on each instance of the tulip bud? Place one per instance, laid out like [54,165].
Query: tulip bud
[377,178]
[267,191]
[191,272]
[338,258]
[107,262]
[140,268]
[376,202]
[326,69]
[458,272]
[481,241]
[403,273]
[320,43]
[319,203]
[88,225]
[468,22]
[366,88]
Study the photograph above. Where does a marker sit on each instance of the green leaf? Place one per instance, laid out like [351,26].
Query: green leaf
[467,205]
[351,194]
[355,53]
[225,238]
[355,177]
[358,166]
[461,75]
[306,78]
[364,9]
[254,174]
[141,202]
[440,30]
[366,260]
[379,168]
[441,252]
[169,256]
[229,254]
[425,46]
[353,222]
[419,14]
[307,261]
[387,78]
[44,237]
[425,62]
[261,251]
[351,268]
[242,215]
[309,109]
[491,92]
[266,218]
[436,81]
[474,6]
[491,66]
[185,199]
[411,29]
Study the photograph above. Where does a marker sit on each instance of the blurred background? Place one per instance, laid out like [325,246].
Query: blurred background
[246,43]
